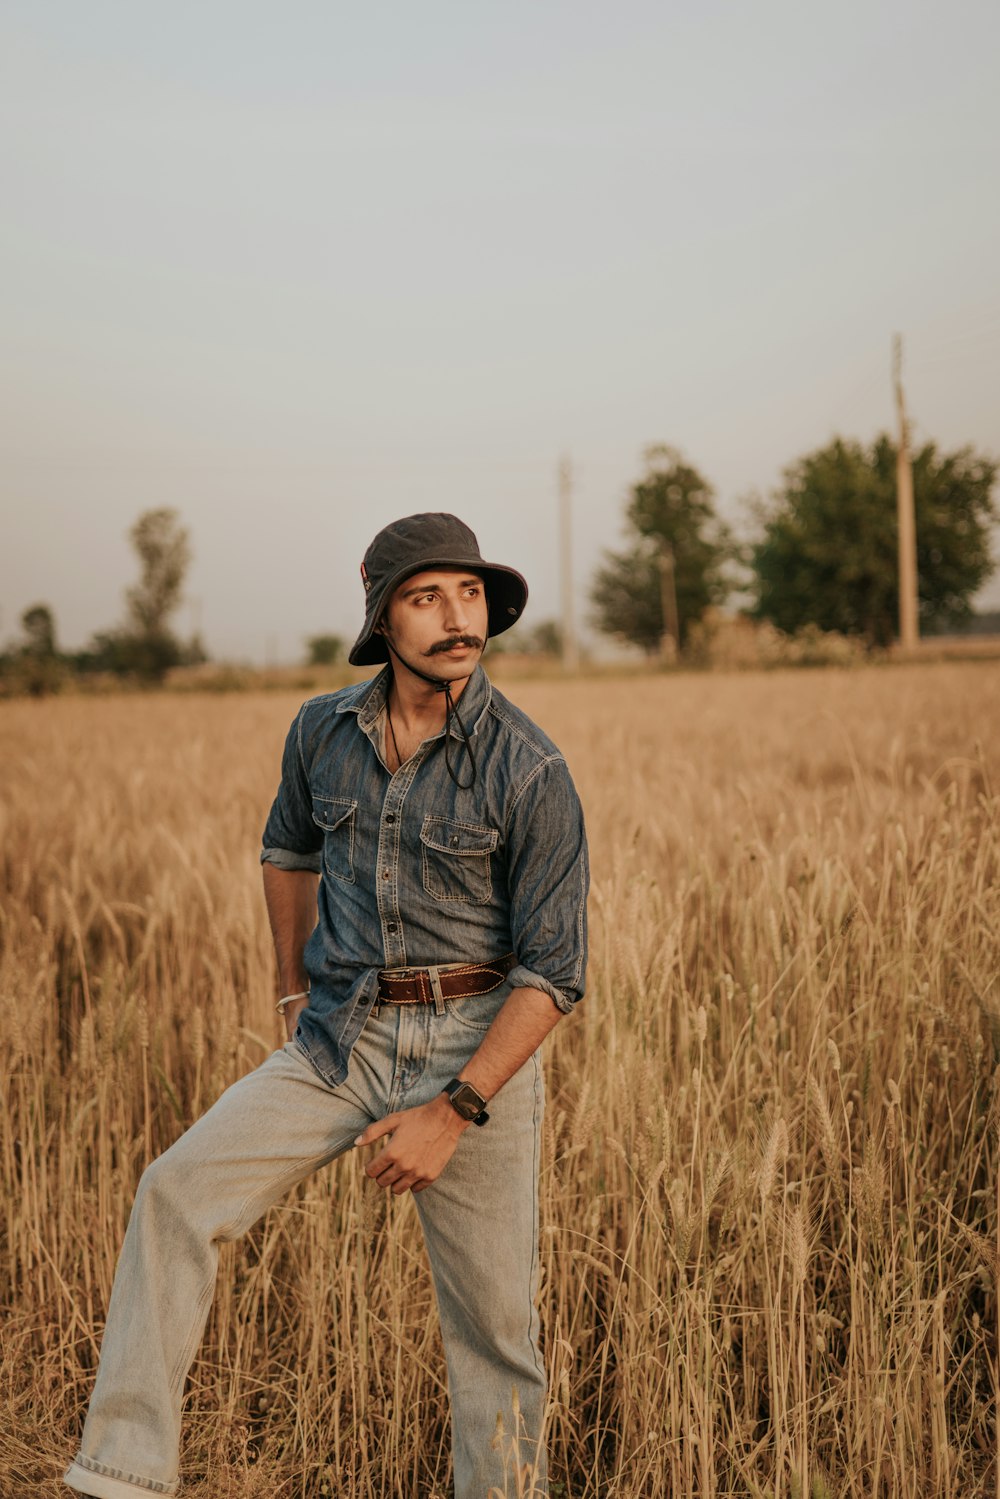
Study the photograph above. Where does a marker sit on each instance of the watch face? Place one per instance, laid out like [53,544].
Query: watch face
[467,1101]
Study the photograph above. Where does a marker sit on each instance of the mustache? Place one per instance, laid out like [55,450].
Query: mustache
[472,641]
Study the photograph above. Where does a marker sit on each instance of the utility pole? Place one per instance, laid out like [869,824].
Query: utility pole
[668,599]
[570,652]
[909,637]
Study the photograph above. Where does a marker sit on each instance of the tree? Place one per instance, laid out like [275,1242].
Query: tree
[543,639]
[35,666]
[39,626]
[627,597]
[146,646]
[827,551]
[164,550]
[324,650]
[673,506]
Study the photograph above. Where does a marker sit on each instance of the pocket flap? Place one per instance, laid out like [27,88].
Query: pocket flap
[448,837]
[330,811]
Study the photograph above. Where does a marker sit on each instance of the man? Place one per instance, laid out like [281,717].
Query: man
[449,844]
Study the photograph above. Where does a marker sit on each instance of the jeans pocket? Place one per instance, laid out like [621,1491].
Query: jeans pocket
[335,815]
[456,860]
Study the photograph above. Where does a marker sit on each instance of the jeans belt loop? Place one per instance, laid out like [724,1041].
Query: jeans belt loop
[434,974]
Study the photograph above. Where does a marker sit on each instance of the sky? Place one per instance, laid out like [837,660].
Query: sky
[296,270]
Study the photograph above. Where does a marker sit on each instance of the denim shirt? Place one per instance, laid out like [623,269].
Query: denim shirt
[417,871]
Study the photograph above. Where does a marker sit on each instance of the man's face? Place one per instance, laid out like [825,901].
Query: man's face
[439,620]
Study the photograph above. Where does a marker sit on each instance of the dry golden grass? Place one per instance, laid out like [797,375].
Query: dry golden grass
[770,1184]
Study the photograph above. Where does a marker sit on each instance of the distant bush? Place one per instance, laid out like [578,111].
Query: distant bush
[737,642]
[324,650]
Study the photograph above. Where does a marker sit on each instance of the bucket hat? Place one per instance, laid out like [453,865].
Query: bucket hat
[418,542]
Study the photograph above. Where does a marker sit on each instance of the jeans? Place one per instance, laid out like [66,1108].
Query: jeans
[267,1132]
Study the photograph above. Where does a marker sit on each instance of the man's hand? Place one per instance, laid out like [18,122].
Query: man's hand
[420,1145]
[290,1014]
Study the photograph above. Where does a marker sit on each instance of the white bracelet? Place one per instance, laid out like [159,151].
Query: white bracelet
[280,1006]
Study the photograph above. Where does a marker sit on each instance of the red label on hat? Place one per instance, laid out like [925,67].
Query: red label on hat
[364,577]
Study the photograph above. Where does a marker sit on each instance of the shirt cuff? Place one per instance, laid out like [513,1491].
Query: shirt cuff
[287,858]
[523,978]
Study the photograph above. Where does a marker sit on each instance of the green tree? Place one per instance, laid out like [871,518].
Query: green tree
[39,626]
[146,646]
[543,639]
[129,654]
[546,638]
[324,650]
[35,666]
[827,552]
[672,504]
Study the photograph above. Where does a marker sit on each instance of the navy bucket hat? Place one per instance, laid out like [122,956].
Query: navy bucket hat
[415,544]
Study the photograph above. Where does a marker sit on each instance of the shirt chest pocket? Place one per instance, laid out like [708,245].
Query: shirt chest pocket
[456,860]
[335,815]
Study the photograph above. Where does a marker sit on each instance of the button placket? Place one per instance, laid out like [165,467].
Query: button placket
[387,864]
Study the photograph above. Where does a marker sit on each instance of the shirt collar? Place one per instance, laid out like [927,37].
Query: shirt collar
[369,702]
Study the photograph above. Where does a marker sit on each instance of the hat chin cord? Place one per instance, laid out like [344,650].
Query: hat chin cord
[441,684]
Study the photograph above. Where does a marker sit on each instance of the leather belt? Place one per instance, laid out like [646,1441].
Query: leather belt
[415,986]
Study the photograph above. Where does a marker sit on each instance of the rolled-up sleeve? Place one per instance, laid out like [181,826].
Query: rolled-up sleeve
[292,839]
[548,879]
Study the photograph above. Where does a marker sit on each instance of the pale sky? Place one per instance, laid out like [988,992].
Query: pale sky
[298,269]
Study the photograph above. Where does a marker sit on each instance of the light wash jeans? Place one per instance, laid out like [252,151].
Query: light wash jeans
[267,1132]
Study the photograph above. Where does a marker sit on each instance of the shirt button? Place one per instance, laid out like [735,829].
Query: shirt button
[392,927]
[385,874]
[390,817]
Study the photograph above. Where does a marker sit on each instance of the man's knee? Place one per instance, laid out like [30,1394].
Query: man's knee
[180,1188]
[164,1185]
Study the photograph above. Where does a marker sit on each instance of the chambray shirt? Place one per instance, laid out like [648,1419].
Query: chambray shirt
[415,871]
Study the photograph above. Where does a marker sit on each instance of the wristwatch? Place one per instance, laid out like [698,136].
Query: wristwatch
[466,1101]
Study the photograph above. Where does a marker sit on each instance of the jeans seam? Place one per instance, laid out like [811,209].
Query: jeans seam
[187,1352]
[533,1272]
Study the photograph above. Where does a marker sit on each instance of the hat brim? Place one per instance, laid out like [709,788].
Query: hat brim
[506,596]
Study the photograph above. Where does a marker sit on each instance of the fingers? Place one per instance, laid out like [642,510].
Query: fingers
[384,1169]
[392,1177]
[415,1149]
[376,1131]
[387,1171]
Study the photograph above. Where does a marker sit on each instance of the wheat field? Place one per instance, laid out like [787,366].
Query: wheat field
[770,1188]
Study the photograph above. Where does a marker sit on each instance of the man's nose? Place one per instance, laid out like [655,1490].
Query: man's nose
[456,616]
